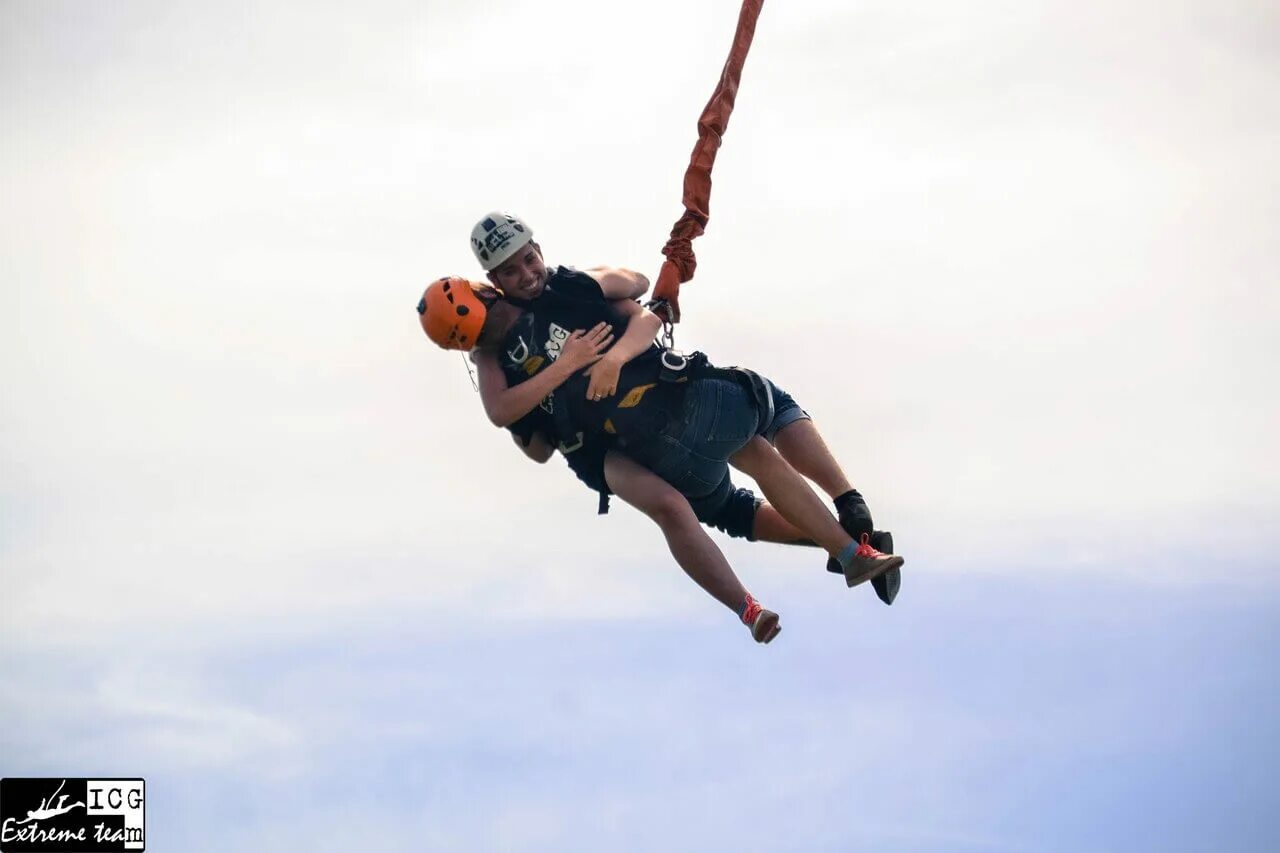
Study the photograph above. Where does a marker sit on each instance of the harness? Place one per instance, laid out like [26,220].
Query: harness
[679,370]
[664,411]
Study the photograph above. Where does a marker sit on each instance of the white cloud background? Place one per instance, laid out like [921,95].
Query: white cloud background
[1018,259]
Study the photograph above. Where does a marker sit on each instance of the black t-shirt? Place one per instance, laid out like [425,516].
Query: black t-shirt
[581,429]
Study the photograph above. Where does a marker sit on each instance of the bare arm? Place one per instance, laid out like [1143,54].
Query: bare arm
[642,325]
[619,283]
[505,404]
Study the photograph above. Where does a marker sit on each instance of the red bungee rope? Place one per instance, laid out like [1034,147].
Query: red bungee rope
[681,263]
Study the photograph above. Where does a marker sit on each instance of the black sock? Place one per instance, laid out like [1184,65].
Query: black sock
[854,515]
[848,496]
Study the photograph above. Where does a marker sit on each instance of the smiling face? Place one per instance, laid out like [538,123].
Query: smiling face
[523,275]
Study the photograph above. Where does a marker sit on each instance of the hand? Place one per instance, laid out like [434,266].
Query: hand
[583,348]
[604,378]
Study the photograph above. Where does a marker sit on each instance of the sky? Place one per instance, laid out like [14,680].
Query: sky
[260,545]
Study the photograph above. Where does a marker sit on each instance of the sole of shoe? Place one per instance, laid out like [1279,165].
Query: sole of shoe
[875,570]
[888,584]
[766,626]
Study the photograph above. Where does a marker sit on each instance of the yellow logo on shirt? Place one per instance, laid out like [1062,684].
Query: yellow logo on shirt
[633,396]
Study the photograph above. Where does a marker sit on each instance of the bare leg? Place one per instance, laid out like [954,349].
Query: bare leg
[770,526]
[700,557]
[801,444]
[800,505]
[791,494]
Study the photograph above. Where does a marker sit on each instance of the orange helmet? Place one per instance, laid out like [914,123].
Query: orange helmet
[453,310]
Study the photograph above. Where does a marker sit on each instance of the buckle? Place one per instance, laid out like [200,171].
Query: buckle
[674,360]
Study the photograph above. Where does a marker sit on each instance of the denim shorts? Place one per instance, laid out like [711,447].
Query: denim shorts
[786,411]
[719,417]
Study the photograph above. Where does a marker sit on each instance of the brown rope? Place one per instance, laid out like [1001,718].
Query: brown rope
[681,262]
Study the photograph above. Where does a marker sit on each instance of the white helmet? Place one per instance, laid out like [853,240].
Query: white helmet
[497,237]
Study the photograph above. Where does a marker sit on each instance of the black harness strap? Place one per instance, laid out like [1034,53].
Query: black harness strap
[679,368]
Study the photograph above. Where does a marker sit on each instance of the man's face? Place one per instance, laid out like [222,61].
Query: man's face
[523,275]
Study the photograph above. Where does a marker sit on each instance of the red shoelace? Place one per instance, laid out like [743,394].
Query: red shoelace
[865,549]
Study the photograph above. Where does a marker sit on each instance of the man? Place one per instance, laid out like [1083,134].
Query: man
[513,262]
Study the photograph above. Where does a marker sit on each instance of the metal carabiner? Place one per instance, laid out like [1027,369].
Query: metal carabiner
[668,332]
[661,308]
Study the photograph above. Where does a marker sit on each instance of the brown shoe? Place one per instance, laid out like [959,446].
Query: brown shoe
[763,623]
[886,585]
[868,563]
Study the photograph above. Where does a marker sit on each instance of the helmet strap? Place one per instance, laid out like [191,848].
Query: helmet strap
[470,372]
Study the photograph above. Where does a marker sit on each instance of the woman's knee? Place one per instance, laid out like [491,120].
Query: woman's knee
[646,491]
[670,509]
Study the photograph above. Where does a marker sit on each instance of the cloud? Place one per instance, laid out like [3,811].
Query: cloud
[991,714]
